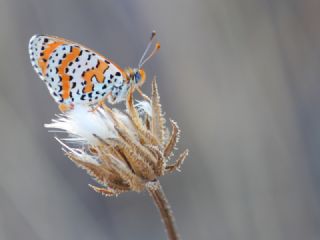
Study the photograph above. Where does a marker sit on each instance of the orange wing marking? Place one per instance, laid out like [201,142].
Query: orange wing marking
[42,61]
[65,79]
[98,72]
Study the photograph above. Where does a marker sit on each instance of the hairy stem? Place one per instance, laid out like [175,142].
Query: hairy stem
[160,200]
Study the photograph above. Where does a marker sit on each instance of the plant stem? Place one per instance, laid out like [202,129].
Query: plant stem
[160,200]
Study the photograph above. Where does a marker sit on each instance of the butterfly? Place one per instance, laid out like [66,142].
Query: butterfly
[75,74]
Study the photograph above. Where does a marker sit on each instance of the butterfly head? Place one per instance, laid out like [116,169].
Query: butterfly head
[136,76]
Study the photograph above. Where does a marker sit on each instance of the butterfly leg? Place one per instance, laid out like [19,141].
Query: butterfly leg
[143,95]
[65,107]
[101,103]
[104,106]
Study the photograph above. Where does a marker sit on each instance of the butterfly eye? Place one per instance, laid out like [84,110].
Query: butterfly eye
[137,77]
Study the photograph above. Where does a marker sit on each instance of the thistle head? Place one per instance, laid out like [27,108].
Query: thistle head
[122,151]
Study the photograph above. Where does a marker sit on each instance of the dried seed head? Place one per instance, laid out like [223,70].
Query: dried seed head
[121,151]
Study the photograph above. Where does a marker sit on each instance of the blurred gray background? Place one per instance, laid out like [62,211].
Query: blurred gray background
[241,77]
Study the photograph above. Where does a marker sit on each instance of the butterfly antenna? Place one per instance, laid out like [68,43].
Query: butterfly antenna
[154,51]
[153,34]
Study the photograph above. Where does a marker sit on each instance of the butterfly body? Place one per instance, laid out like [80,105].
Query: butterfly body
[75,74]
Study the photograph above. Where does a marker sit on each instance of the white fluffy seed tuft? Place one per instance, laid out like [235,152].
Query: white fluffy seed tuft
[82,124]
[144,107]
[80,153]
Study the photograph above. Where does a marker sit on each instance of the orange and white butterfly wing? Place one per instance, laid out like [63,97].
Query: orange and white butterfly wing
[73,73]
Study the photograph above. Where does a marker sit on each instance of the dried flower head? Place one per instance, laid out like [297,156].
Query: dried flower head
[121,151]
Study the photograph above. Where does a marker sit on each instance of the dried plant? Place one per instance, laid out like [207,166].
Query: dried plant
[124,151]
